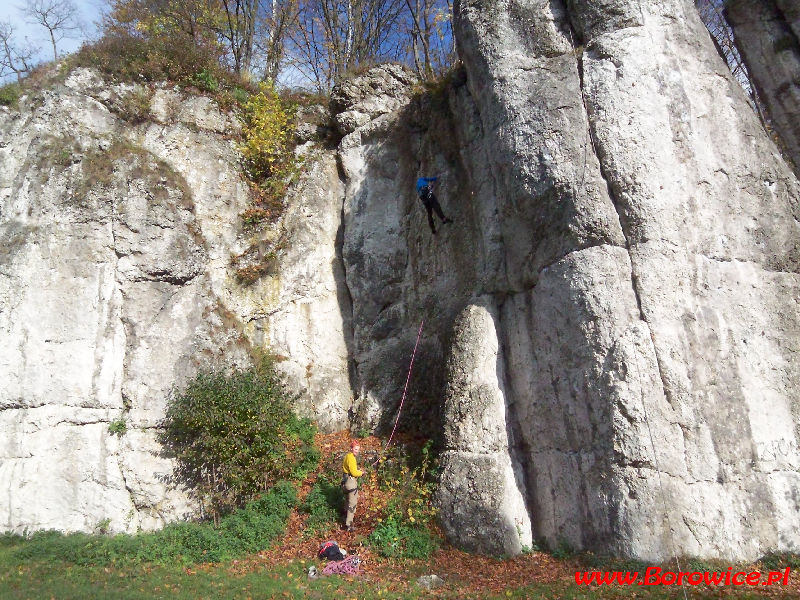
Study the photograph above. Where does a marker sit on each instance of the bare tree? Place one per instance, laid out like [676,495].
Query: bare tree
[375,35]
[336,35]
[255,32]
[310,56]
[15,57]
[321,39]
[420,37]
[279,20]
[431,36]
[59,17]
[238,29]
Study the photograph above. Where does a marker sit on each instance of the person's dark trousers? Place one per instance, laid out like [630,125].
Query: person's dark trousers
[432,204]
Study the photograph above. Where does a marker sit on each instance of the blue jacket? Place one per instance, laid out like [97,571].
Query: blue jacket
[424,181]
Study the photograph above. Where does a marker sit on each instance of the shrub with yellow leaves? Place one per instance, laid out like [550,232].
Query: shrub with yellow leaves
[268,159]
[268,131]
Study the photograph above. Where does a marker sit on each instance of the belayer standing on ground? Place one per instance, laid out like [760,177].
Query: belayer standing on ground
[350,483]
[425,193]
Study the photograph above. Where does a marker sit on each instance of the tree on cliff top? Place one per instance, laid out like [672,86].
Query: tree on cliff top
[334,36]
[15,57]
[317,41]
[248,35]
[59,17]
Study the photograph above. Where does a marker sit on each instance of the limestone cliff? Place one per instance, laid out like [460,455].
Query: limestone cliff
[117,285]
[651,358]
[611,324]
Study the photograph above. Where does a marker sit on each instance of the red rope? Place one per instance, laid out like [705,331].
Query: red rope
[403,399]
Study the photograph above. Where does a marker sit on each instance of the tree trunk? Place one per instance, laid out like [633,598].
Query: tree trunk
[421,36]
[348,48]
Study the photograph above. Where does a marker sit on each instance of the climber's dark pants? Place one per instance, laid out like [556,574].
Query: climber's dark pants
[431,204]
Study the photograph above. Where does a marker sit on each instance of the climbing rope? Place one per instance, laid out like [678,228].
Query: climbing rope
[403,398]
[348,566]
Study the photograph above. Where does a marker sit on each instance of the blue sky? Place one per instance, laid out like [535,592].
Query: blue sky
[90,13]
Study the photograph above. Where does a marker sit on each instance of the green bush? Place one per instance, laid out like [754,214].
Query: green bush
[250,529]
[9,94]
[778,561]
[239,95]
[234,436]
[322,506]
[229,98]
[396,539]
[118,427]
[205,80]
[562,550]
[404,529]
[410,481]
[261,521]
[10,539]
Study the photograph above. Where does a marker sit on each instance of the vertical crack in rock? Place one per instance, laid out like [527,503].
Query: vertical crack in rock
[125,483]
[126,402]
[518,448]
[607,179]
[348,328]
[112,224]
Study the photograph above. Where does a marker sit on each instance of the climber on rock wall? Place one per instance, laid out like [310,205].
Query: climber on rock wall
[425,193]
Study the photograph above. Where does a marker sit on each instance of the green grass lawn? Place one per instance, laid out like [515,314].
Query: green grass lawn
[37,579]
[256,551]
[63,581]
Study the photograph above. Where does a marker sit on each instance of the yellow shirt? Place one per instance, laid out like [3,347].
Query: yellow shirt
[349,465]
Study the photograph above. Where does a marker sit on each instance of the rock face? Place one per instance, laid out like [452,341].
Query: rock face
[380,91]
[116,285]
[650,333]
[634,236]
[303,313]
[767,34]
[107,302]
[609,329]
[481,495]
